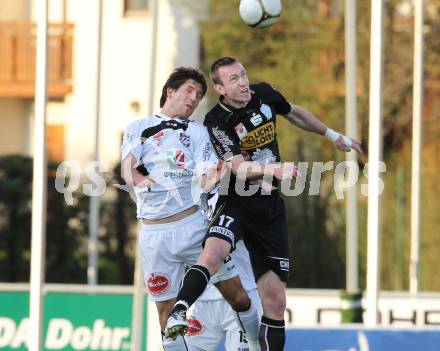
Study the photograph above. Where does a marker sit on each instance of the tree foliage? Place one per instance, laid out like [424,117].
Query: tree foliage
[303,56]
[66,229]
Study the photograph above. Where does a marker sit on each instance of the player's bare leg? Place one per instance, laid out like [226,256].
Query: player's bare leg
[246,315]
[273,298]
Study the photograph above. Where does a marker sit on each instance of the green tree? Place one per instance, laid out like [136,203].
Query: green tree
[66,229]
[303,56]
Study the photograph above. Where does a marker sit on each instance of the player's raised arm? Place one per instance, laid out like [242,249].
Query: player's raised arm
[306,120]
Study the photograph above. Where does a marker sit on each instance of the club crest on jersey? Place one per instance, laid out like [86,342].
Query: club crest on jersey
[157,138]
[195,327]
[184,139]
[266,111]
[158,283]
[241,130]
[256,119]
[176,159]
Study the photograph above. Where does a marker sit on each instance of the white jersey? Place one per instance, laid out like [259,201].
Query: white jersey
[241,260]
[175,153]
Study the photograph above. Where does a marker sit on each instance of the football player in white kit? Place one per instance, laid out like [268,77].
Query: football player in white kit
[212,318]
[164,157]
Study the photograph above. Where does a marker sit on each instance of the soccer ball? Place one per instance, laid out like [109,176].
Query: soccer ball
[260,13]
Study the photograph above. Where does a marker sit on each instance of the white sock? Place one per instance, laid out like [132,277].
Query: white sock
[249,322]
[174,345]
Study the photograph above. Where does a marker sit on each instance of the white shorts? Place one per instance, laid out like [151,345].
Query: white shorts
[168,249]
[210,321]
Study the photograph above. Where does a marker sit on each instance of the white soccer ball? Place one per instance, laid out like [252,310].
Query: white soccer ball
[260,13]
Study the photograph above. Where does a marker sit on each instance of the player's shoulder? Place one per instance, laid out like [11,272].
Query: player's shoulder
[138,125]
[262,88]
[215,115]
[196,126]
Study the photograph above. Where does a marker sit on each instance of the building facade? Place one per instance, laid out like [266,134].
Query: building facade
[125,69]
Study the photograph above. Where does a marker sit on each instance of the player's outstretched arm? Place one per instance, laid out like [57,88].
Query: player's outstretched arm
[306,120]
[251,170]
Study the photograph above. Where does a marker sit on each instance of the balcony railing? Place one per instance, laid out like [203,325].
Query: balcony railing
[17,59]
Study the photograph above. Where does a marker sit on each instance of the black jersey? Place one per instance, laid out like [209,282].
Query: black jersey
[249,131]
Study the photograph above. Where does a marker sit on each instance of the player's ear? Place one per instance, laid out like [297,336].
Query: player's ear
[170,92]
[219,89]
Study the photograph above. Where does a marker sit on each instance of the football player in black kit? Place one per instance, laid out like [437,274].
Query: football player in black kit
[242,130]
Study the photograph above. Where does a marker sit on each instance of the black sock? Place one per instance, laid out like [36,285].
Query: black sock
[193,285]
[272,334]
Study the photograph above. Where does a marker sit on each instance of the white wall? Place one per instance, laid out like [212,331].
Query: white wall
[126,43]
[14,131]
[13,10]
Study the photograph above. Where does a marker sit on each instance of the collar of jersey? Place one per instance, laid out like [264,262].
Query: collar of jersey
[231,109]
[166,118]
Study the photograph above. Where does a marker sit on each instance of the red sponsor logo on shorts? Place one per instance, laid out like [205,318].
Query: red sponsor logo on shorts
[158,283]
[195,327]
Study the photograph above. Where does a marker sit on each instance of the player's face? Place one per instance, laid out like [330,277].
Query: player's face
[183,101]
[235,85]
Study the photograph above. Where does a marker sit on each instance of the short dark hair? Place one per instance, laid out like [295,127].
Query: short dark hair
[222,61]
[179,77]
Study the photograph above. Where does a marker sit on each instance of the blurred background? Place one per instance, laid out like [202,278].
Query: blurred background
[303,56]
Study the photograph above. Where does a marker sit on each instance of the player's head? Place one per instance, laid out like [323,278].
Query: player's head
[182,92]
[230,80]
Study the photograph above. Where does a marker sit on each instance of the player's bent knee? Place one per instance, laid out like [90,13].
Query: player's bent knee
[214,254]
[212,260]
[241,301]
[234,293]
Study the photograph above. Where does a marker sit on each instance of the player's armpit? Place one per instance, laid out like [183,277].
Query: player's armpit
[131,175]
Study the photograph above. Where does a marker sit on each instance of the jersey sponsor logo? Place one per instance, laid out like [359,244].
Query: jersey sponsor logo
[184,139]
[176,159]
[207,152]
[158,283]
[195,326]
[266,111]
[157,138]
[222,138]
[222,231]
[241,130]
[256,120]
[284,264]
[177,174]
[259,137]
[264,156]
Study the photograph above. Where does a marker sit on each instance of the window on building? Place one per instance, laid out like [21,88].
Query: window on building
[135,7]
[55,142]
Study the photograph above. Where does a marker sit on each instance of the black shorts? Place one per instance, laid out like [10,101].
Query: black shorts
[261,223]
